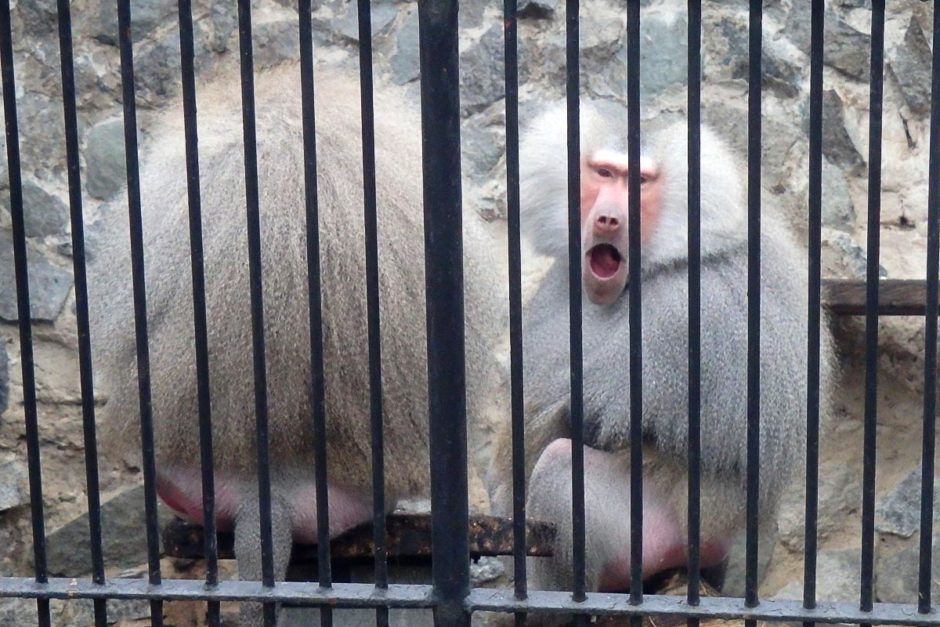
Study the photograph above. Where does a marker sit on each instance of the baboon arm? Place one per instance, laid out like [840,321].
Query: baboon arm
[542,427]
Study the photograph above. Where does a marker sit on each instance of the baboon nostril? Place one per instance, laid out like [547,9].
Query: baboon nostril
[608,222]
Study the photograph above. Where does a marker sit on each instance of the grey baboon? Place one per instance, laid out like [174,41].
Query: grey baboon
[282,211]
[664,219]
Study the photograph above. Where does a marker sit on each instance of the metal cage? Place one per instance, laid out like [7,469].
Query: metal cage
[450,594]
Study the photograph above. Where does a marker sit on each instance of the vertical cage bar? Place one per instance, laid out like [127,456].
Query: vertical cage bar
[813,316]
[257,301]
[372,302]
[81,303]
[200,324]
[635,306]
[315,304]
[574,302]
[866,595]
[440,135]
[11,128]
[515,299]
[753,300]
[930,338]
[140,302]
[695,299]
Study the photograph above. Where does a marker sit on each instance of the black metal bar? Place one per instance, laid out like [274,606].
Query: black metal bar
[200,324]
[574,302]
[21,272]
[81,302]
[140,301]
[866,594]
[353,595]
[775,611]
[753,298]
[635,303]
[924,580]
[517,398]
[813,314]
[695,299]
[346,595]
[443,241]
[315,303]
[257,301]
[372,301]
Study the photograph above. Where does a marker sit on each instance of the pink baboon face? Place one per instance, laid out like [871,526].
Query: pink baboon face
[604,207]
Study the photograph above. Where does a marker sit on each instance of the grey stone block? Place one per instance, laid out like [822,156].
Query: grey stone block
[49,285]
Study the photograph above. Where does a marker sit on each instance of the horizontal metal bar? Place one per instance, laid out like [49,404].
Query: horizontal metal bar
[483,599]
[360,595]
[351,595]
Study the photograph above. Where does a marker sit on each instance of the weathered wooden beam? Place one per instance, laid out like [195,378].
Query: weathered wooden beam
[409,535]
[896,297]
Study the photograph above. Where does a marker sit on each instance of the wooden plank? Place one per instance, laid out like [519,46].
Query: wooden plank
[409,535]
[896,297]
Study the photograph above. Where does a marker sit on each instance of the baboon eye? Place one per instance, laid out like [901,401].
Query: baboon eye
[604,173]
[648,177]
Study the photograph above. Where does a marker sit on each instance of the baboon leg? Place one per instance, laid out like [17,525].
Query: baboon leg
[248,548]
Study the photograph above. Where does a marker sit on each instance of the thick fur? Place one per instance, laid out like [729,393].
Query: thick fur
[282,194]
[664,286]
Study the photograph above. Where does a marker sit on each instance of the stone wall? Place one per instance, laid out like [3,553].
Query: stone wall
[541,56]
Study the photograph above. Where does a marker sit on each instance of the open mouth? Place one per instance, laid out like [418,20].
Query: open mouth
[604,260]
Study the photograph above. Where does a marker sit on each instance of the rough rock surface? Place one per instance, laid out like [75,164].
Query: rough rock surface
[45,214]
[541,28]
[49,285]
[898,512]
[14,486]
[104,155]
[4,378]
